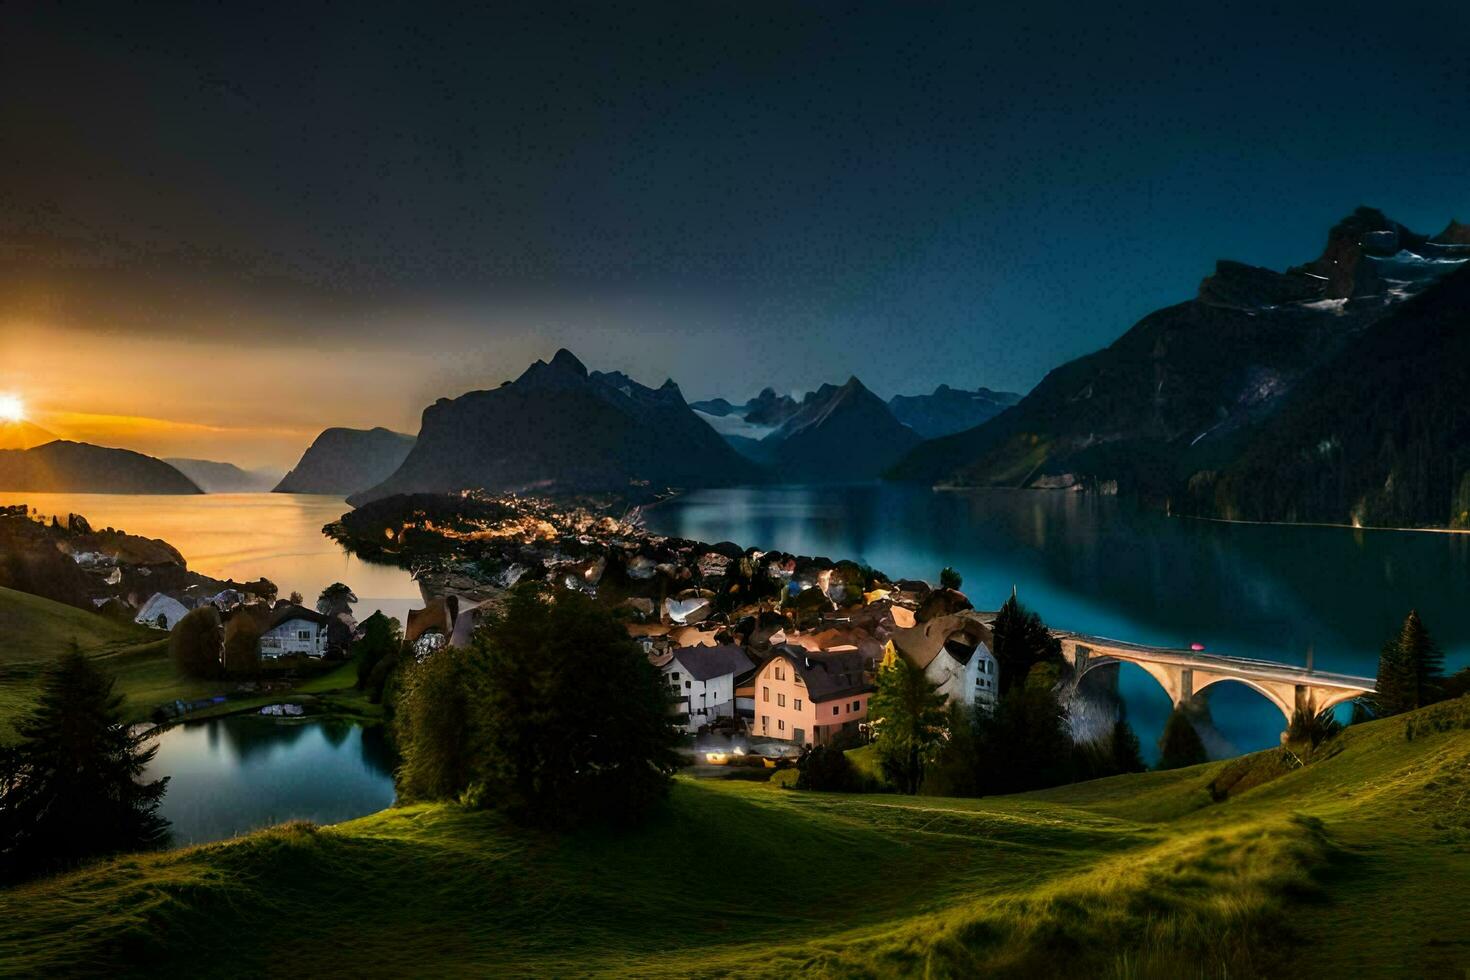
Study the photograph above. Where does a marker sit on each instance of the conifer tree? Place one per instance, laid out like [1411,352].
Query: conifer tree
[1180,744]
[1410,670]
[908,712]
[73,788]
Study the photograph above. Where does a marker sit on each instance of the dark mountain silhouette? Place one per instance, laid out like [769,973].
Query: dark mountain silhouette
[79,467]
[1184,390]
[345,461]
[838,433]
[1379,436]
[214,477]
[948,410]
[559,427]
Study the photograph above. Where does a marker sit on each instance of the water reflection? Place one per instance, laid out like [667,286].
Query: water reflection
[244,536]
[232,775]
[1106,566]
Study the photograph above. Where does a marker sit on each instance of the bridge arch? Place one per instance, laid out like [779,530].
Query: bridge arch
[1205,682]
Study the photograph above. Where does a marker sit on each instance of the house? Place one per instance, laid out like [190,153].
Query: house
[807,697]
[955,654]
[162,611]
[702,680]
[294,630]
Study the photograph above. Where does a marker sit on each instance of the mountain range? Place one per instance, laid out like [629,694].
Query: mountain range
[560,427]
[342,461]
[214,477]
[78,467]
[948,410]
[1194,406]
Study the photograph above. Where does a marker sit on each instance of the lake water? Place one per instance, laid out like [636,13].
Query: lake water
[231,775]
[1106,566]
[244,536]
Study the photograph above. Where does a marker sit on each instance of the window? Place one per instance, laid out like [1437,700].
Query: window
[780,673]
[765,694]
[688,684]
[303,634]
[798,680]
[765,722]
[857,706]
[797,705]
[834,709]
[780,700]
[675,675]
[781,724]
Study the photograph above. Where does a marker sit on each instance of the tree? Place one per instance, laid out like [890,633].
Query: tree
[1127,753]
[564,719]
[295,599]
[908,716]
[950,579]
[242,644]
[197,642]
[825,768]
[1180,744]
[954,771]
[381,637]
[1021,642]
[73,787]
[1310,729]
[1410,670]
[335,600]
[1026,742]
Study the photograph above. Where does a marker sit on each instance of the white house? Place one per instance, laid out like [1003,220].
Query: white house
[294,630]
[702,680]
[162,612]
[954,653]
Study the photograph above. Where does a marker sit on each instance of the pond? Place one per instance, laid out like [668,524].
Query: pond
[231,775]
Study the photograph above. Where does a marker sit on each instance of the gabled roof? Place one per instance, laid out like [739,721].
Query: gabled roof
[921,644]
[703,663]
[289,611]
[826,675]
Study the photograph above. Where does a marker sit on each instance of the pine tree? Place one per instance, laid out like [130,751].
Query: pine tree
[910,720]
[74,789]
[1021,642]
[1127,754]
[1410,670]
[1180,744]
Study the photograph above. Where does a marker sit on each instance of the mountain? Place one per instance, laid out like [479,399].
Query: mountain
[213,477]
[837,434]
[1185,389]
[78,467]
[559,427]
[341,461]
[949,410]
[23,435]
[1379,436]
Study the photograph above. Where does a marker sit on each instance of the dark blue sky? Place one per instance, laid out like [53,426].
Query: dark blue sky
[733,194]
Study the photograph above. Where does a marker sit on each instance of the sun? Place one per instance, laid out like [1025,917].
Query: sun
[12,409]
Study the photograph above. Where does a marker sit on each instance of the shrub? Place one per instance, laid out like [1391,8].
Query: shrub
[197,642]
[824,768]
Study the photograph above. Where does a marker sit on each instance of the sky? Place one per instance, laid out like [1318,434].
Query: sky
[225,227]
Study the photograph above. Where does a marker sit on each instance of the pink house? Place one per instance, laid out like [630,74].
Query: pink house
[806,697]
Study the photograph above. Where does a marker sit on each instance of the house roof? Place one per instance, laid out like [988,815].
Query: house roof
[290,611]
[827,675]
[704,662]
[922,643]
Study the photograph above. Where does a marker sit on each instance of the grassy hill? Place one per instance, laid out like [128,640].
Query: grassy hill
[1358,865]
[36,629]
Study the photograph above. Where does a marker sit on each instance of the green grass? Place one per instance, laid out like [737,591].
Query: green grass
[1357,865]
[37,629]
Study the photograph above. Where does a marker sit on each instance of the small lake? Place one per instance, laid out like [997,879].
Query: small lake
[244,536]
[1110,567]
[235,774]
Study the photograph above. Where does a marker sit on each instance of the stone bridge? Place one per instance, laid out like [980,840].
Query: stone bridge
[1185,673]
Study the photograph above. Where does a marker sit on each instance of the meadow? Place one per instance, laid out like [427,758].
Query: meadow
[1356,864]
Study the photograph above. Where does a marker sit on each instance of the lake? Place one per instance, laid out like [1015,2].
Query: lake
[1110,567]
[244,536]
[235,774]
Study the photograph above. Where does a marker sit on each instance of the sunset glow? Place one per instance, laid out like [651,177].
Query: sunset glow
[12,408]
